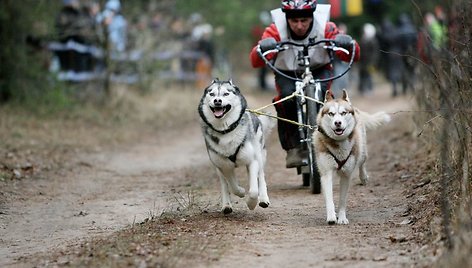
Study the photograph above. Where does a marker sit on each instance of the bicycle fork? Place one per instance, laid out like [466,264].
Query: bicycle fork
[300,103]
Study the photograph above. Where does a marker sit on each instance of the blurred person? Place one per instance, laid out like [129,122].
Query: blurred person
[70,28]
[202,36]
[408,39]
[92,35]
[368,59]
[391,49]
[116,26]
[339,66]
[256,33]
[198,55]
[436,31]
[296,21]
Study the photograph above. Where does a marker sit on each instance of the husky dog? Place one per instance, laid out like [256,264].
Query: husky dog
[340,147]
[235,137]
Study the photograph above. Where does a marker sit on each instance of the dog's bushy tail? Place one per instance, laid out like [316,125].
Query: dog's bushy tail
[268,123]
[372,121]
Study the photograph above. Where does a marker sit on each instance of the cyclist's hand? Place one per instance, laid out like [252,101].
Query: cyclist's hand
[343,40]
[267,44]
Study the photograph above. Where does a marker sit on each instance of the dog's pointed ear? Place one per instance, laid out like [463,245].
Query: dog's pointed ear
[345,96]
[215,80]
[329,95]
[230,82]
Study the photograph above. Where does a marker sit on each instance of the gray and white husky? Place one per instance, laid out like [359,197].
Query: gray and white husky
[340,148]
[235,137]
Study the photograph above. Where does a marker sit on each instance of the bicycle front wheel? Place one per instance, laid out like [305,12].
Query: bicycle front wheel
[311,112]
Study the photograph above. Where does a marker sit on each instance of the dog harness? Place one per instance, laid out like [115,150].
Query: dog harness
[339,162]
[232,158]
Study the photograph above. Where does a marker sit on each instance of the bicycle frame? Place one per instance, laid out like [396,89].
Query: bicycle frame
[307,77]
[306,114]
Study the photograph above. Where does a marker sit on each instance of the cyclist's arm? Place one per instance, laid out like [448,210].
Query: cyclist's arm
[331,31]
[270,31]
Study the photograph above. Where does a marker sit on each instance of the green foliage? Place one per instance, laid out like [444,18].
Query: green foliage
[24,77]
[237,17]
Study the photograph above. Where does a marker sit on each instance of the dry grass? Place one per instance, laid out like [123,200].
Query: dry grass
[32,142]
[184,234]
[447,96]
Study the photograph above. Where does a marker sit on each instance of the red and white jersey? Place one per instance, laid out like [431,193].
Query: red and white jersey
[287,59]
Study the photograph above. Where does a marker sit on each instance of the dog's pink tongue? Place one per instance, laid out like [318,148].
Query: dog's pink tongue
[218,112]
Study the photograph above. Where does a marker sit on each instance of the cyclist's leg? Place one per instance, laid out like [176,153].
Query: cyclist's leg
[288,133]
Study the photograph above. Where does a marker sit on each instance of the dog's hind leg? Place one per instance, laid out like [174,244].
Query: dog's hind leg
[327,187]
[363,176]
[226,206]
[253,172]
[343,189]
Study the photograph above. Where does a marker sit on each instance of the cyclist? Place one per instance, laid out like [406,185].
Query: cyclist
[297,21]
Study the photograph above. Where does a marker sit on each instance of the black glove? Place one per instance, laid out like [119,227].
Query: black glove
[343,40]
[267,44]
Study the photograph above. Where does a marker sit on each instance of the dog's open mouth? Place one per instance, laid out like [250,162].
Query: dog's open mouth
[220,111]
[338,131]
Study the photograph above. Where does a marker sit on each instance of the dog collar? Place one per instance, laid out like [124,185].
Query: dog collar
[231,127]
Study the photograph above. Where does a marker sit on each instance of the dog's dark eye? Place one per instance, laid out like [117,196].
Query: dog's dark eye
[331,114]
[226,94]
[343,113]
[212,94]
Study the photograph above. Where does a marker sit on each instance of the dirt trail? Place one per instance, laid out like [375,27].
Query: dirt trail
[109,190]
[101,193]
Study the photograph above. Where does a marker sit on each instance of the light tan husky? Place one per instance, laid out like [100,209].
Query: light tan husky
[340,147]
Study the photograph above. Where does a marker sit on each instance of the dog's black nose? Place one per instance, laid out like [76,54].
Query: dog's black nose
[217,101]
[337,123]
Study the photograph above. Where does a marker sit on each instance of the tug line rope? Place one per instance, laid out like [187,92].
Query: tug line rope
[258,111]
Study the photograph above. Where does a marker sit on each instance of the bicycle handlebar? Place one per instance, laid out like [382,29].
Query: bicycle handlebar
[283,45]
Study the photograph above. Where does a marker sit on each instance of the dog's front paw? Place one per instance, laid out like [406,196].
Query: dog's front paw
[331,219]
[363,176]
[240,192]
[227,210]
[251,203]
[343,221]
[264,204]
[342,217]
[264,201]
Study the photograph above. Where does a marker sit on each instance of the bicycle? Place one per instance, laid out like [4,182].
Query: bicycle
[306,88]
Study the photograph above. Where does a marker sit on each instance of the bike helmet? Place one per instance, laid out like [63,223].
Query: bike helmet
[298,8]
